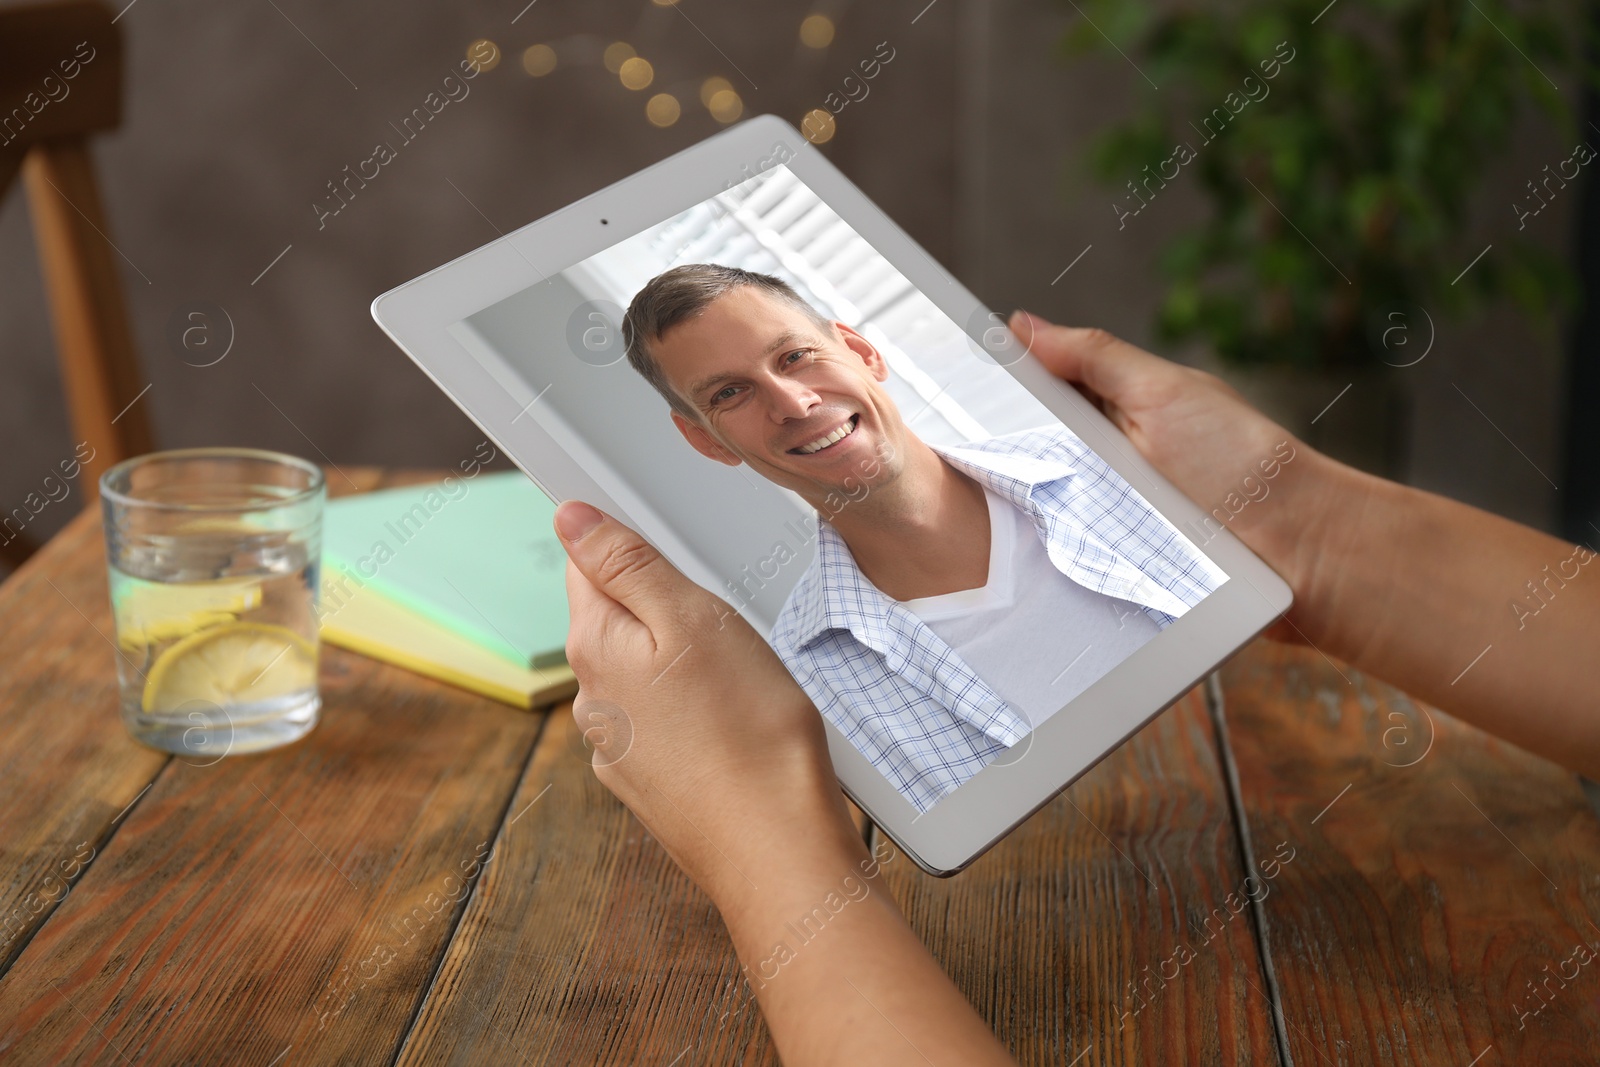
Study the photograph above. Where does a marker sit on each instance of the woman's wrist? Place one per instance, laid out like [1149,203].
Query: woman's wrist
[811,897]
[1330,541]
[787,865]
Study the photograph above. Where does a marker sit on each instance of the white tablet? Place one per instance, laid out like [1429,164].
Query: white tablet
[805,383]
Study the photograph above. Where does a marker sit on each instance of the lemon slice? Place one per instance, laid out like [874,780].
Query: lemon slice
[229,665]
[149,613]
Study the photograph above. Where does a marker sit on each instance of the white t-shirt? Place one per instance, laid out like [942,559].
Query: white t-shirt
[1037,637]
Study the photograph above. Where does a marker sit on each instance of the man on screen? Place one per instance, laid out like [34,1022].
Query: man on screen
[961,594]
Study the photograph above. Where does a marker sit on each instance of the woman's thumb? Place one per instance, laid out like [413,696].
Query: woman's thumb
[1088,356]
[616,560]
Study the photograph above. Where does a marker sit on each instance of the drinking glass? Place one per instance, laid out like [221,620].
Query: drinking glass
[214,556]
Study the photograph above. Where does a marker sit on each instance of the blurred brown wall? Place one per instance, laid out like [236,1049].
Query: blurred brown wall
[969,139]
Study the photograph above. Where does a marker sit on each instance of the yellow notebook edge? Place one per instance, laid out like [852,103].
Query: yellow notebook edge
[368,623]
[561,685]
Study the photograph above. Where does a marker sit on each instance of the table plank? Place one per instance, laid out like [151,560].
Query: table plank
[297,899]
[254,905]
[58,696]
[1441,872]
[584,943]
[1067,935]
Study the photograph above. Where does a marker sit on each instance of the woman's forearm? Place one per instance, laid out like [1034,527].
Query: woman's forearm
[1488,620]
[841,977]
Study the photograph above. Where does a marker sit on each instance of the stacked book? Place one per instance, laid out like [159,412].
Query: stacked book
[461,580]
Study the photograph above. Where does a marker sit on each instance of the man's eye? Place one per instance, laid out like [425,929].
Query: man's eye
[723,394]
[796,354]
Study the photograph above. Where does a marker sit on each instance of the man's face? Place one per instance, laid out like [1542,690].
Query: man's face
[777,392]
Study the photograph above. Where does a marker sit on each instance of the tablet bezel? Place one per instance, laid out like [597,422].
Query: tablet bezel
[968,821]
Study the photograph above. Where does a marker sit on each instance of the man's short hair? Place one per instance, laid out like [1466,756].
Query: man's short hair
[682,293]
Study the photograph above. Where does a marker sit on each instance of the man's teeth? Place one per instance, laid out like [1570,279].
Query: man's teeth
[823,442]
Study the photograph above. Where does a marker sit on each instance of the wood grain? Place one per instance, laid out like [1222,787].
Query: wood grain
[1060,935]
[295,900]
[1439,872]
[584,942]
[67,767]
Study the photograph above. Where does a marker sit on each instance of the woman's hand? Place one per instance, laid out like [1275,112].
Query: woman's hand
[700,730]
[1483,618]
[1218,450]
[696,725]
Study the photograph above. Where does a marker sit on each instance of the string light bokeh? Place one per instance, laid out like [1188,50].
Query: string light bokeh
[636,73]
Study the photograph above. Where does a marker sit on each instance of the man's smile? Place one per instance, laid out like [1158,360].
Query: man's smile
[829,439]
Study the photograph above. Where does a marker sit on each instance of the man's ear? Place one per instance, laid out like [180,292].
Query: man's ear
[876,365]
[702,442]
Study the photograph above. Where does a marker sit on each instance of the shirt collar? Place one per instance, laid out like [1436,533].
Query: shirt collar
[1016,474]
[836,595]
[833,594]
[1013,475]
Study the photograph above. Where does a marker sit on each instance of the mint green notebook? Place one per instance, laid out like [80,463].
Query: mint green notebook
[476,555]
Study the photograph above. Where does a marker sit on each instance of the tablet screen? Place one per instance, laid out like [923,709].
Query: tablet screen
[938,560]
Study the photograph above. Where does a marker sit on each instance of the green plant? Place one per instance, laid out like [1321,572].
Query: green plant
[1343,190]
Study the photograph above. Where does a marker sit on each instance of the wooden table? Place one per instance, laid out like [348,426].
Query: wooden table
[1411,882]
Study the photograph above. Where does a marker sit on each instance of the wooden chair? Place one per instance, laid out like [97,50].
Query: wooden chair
[60,82]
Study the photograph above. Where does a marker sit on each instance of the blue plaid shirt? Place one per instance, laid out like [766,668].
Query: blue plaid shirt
[892,686]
